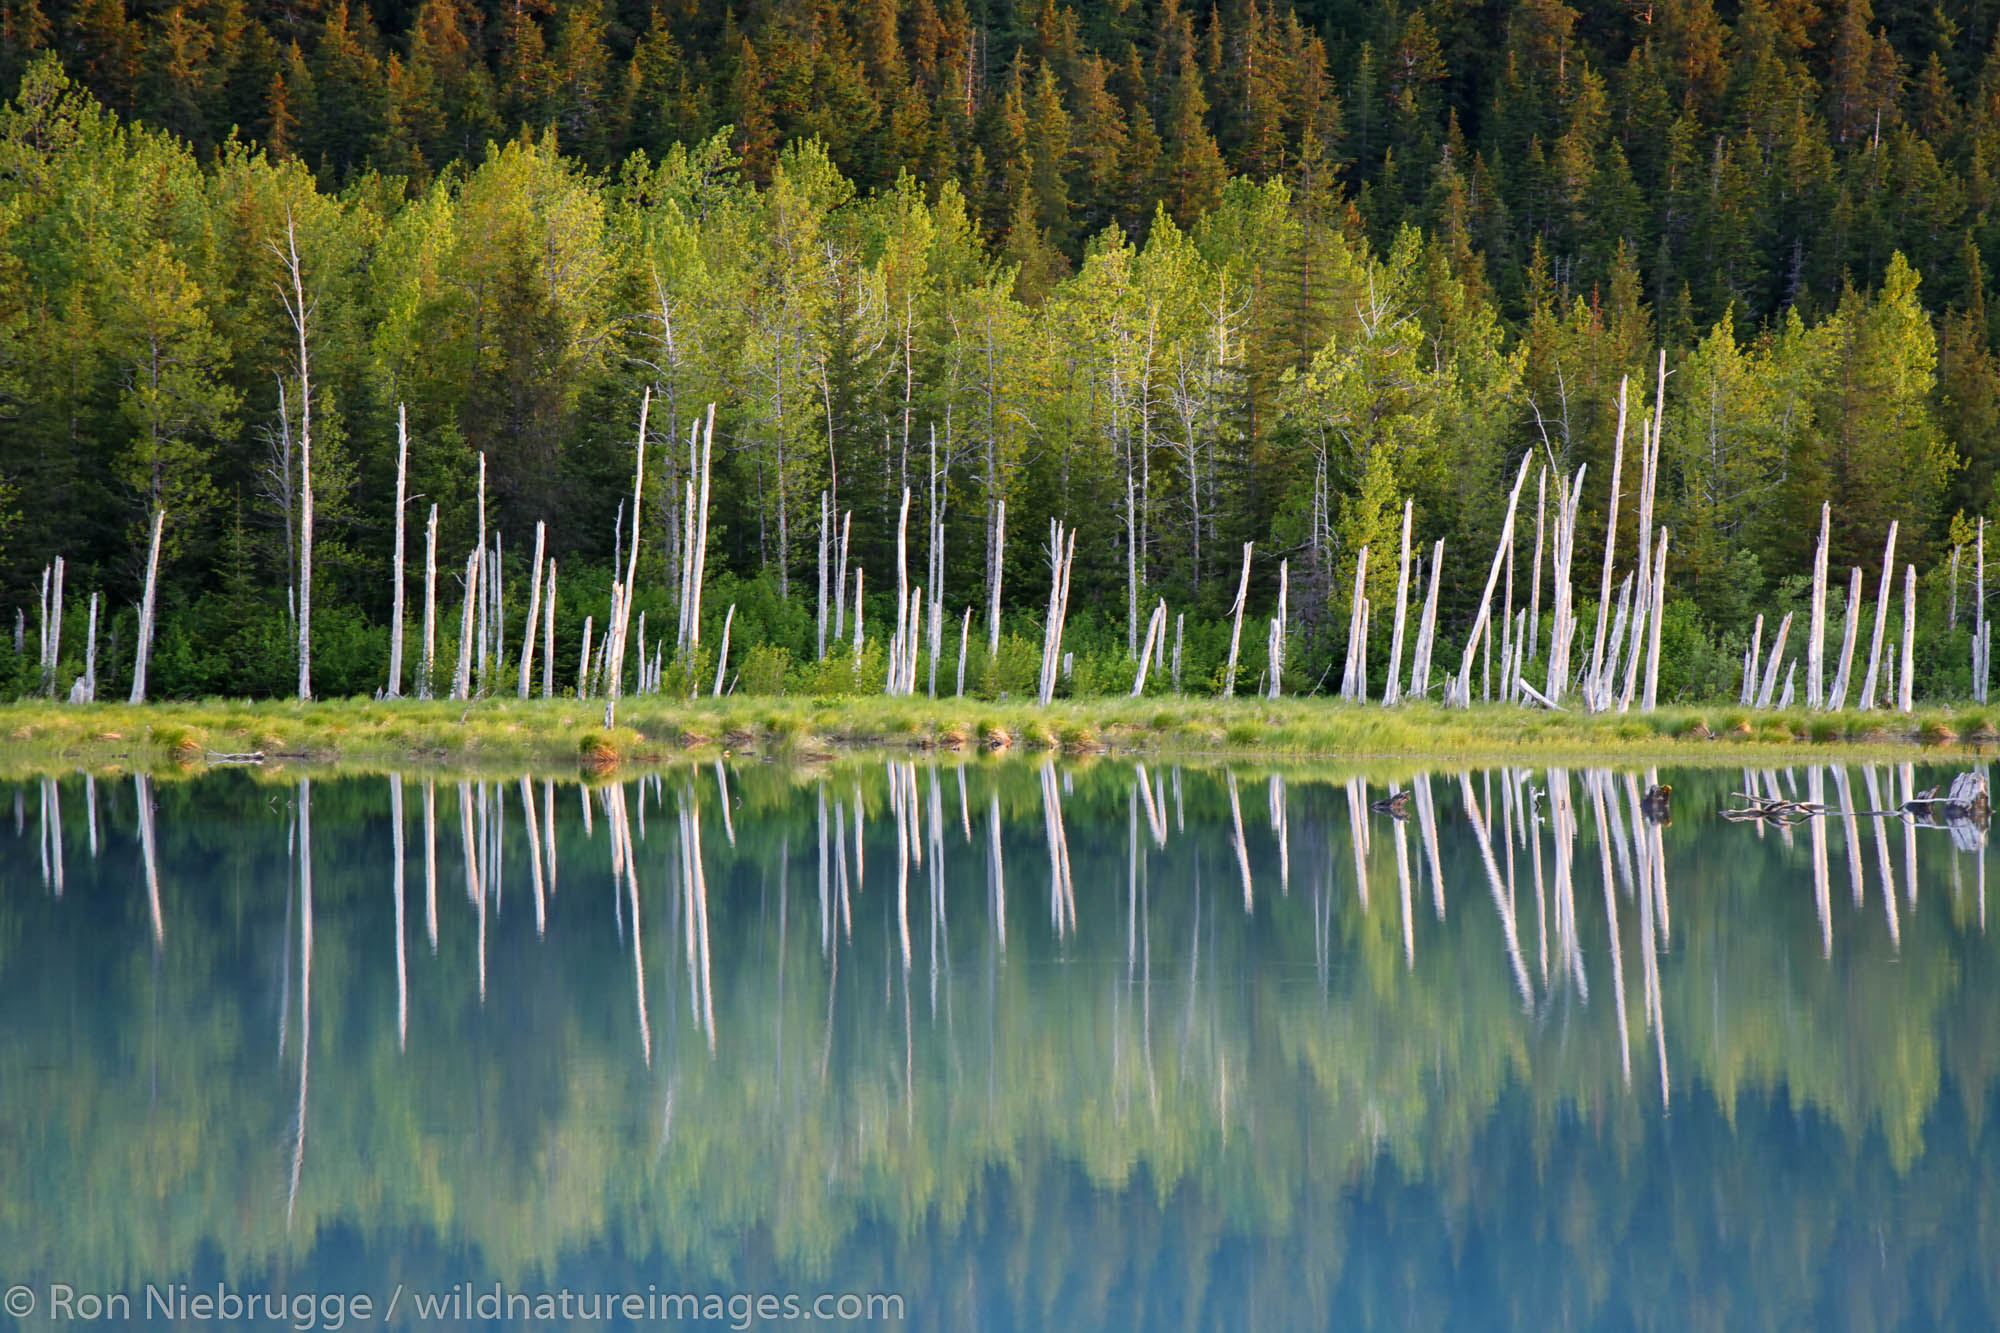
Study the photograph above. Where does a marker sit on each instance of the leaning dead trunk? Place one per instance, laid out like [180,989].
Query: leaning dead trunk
[1464,687]
[146,612]
[722,657]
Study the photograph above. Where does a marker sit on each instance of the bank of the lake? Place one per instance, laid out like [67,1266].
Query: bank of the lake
[650,730]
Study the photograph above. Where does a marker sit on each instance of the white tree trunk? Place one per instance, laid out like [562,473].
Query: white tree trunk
[427,663]
[1753,658]
[301,317]
[1905,679]
[1420,666]
[1276,654]
[146,611]
[1596,696]
[54,641]
[999,559]
[1772,663]
[1357,641]
[1836,698]
[620,630]
[819,619]
[477,626]
[964,639]
[90,655]
[701,530]
[722,657]
[1393,688]
[534,613]
[395,690]
[1816,632]
[461,679]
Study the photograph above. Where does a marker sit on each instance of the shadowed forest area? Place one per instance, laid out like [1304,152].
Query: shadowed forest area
[1182,277]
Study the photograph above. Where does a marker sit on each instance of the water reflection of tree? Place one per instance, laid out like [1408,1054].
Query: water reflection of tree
[1286,1075]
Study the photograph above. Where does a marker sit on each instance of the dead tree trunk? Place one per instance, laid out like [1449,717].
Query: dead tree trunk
[1479,624]
[534,613]
[1393,689]
[146,611]
[461,679]
[395,690]
[301,312]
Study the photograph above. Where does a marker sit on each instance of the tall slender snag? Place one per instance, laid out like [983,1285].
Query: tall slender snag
[819,621]
[549,643]
[54,641]
[90,655]
[300,312]
[1276,652]
[999,560]
[1816,632]
[1535,593]
[1594,697]
[1905,679]
[395,690]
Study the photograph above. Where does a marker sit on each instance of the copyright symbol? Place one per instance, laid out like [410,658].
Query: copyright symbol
[19,1302]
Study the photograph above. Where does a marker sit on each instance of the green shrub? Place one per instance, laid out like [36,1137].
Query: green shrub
[764,670]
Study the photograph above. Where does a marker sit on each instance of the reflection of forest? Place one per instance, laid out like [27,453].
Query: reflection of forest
[1403,1100]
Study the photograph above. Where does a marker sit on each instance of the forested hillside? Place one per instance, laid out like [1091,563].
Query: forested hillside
[1184,277]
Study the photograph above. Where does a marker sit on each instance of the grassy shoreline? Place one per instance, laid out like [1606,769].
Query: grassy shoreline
[651,731]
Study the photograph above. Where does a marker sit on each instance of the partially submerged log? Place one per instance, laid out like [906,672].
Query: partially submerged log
[1966,802]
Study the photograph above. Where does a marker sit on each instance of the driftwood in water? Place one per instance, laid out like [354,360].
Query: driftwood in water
[1965,810]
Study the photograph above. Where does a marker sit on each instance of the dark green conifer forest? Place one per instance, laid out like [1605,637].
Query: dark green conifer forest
[1183,276]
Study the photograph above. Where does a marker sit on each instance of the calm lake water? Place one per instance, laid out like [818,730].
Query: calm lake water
[996,1045]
